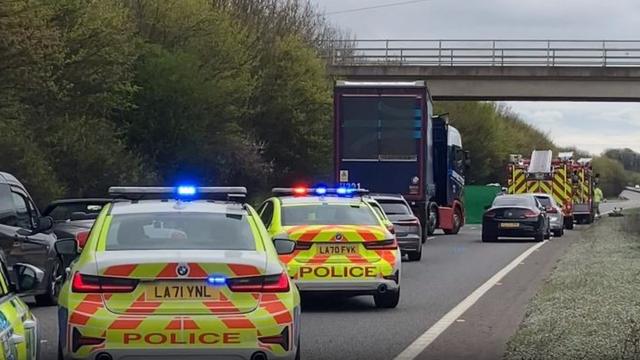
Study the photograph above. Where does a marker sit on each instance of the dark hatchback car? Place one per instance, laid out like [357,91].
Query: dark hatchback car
[26,237]
[72,217]
[407,226]
[515,216]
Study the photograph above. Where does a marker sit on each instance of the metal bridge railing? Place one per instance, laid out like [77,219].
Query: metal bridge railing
[595,53]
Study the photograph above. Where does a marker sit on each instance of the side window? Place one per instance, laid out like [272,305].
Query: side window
[266,213]
[379,211]
[23,214]
[7,209]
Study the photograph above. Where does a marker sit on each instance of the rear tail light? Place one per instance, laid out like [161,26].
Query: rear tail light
[81,238]
[390,244]
[552,210]
[530,214]
[267,284]
[78,340]
[101,284]
[282,339]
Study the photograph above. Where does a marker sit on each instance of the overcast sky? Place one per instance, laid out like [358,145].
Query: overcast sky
[589,126]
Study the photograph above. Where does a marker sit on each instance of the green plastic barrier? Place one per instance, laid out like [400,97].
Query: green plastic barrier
[476,198]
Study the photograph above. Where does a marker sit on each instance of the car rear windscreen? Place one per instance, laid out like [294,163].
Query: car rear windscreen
[180,231]
[391,207]
[327,214]
[62,212]
[522,201]
[544,201]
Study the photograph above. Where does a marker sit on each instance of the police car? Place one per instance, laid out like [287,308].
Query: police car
[172,272]
[18,326]
[341,243]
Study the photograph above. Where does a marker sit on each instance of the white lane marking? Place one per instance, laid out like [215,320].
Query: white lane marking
[424,340]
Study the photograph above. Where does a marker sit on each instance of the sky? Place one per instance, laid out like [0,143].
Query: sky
[593,127]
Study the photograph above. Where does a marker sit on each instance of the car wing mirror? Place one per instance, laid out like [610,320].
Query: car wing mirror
[28,277]
[45,223]
[67,247]
[283,245]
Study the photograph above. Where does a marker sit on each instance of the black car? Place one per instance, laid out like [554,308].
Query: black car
[25,237]
[515,216]
[74,216]
[406,224]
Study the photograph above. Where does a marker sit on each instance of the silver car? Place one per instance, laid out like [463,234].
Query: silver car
[554,211]
[407,226]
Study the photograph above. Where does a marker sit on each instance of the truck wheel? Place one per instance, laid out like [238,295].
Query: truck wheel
[432,219]
[387,300]
[457,223]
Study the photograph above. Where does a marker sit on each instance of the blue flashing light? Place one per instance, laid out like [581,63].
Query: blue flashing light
[216,280]
[186,190]
[321,191]
[341,191]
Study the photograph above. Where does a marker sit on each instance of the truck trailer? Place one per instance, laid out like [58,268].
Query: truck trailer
[386,140]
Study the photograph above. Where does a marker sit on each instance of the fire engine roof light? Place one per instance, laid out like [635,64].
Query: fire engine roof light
[321,191]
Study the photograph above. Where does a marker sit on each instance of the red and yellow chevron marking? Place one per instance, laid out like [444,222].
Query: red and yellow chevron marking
[309,263]
[517,183]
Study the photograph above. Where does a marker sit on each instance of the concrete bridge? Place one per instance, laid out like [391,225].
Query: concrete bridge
[549,70]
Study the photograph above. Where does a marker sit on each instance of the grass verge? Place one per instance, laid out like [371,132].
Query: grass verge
[589,308]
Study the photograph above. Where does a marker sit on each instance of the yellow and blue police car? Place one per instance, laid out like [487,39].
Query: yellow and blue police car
[172,272]
[342,244]
[18,326]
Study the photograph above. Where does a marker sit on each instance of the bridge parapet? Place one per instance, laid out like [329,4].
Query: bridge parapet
[493,53]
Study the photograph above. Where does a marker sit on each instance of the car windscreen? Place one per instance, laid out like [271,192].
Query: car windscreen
[392,207]
[328,214]
[180,231]
[520,201]
[62,212]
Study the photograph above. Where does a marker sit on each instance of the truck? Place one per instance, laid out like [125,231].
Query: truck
[387,140]
[570,182]
[583,181]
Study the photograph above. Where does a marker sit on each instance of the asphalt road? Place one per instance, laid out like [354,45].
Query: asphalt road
[452,267]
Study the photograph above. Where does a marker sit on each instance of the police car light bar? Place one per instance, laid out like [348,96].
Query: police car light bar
[318,191]
[235,194]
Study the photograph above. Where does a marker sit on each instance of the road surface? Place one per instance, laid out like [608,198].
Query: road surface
[451,269]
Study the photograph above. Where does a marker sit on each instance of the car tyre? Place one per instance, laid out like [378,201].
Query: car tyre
[50,297]
[432,219]
[60,356]
[568,223]
[547,234]
[558,233]
[387,300]
[540,236]
[415,255]
[298,351]
[488,237]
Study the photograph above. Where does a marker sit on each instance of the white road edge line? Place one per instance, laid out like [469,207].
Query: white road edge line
[424,340]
